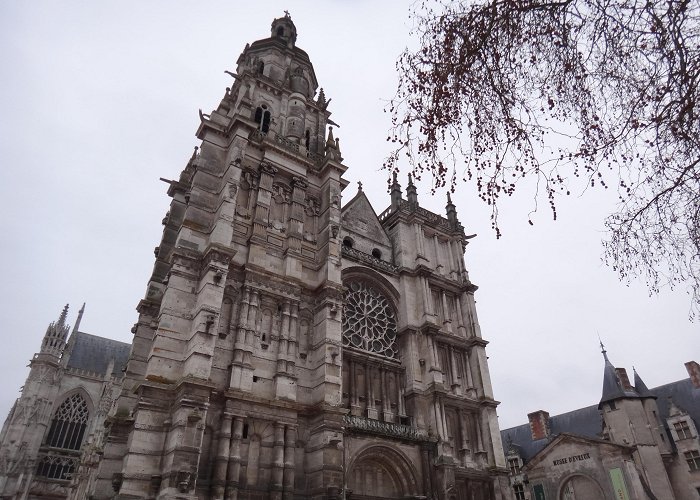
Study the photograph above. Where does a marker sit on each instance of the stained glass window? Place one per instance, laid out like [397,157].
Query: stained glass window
[68,424]
[369,321]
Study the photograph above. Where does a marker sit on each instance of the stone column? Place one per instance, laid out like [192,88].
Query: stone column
[243,318]
[283,339]
[290,443]
[277,479]
[296,221]
[446,317]
[355,391]
[461,330]
[234,462]
[252,317]
[438,261]
[453,366]
[293,346]
[222,457]
[371,410]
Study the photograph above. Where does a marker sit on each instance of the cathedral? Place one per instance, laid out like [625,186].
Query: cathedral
[290,344]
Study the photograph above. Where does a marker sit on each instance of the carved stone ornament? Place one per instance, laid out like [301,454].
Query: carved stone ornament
[369,321]
[268,168]
[300,183]
[117,480]
[312,206]
[184,480]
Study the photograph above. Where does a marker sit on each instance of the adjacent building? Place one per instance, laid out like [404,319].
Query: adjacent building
[636,443]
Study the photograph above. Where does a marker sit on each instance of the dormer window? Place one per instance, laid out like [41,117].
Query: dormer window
[514,465]
[262,118]
[280,31]
[682,430]
[261,68]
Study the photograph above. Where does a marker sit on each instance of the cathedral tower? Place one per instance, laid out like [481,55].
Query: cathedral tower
[289,346]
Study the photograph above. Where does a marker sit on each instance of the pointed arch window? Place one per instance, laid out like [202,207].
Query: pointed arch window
[369,320]
[64,439]
[262,118]
[69,424]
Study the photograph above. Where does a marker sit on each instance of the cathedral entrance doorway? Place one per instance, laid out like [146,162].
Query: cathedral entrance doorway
[380,472]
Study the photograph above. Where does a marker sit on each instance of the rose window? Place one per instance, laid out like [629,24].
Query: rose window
[369,322]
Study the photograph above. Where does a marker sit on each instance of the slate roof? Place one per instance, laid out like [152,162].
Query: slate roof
[612,388]
[93,353]
[585,422]
[588,422]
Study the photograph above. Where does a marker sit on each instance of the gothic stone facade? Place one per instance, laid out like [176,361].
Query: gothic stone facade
[289,346]
[50,443]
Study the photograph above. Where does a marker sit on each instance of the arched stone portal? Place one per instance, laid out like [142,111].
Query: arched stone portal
[579,487]
[381,472]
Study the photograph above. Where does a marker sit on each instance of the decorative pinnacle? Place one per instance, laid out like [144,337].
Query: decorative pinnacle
[410,180]
[359,185]
[64,315]
[80,317]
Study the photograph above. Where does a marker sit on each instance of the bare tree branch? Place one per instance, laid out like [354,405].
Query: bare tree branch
[588,92]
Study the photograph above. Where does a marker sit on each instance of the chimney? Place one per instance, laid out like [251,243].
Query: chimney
[539,424]
[694,373]
[624,379]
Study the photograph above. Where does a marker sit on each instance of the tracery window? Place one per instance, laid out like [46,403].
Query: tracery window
[369,321]
[68,424]
[66,433]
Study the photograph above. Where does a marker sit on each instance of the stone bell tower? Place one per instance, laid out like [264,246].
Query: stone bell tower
[234,378]
[272,361]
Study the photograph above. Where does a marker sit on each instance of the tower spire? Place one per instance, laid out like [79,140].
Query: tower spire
[613,388]
[80,317]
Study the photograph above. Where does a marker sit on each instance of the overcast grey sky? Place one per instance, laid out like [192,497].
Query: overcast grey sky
[100,100]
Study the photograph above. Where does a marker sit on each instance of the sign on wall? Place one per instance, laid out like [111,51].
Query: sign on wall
[618,482]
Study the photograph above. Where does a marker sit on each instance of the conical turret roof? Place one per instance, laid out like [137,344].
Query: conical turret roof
[641,387]
[612,387]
